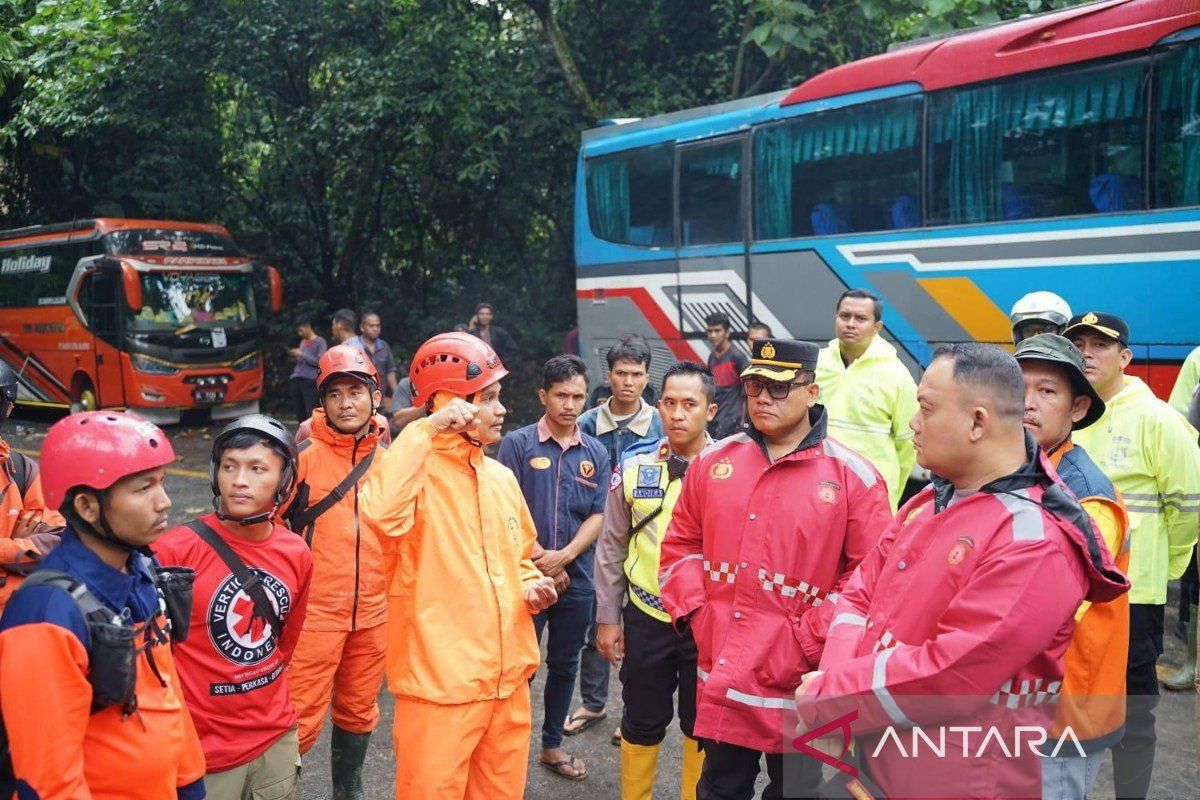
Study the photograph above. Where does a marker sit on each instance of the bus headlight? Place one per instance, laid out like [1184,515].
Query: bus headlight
[247,362]
[152,366]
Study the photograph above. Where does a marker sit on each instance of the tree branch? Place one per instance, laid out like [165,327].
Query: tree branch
[566,60]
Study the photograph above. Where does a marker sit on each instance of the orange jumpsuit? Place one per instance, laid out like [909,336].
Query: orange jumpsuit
[340,655]
[461,647]
[60,749]
[15,553]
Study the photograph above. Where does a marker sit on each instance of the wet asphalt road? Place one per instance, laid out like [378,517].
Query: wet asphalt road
[1175,771]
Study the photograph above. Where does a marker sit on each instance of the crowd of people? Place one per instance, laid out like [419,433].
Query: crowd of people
[758,544]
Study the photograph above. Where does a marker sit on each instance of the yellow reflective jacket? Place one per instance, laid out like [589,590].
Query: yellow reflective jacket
[1149,452]
[457,540]
[869,405]
[1185,384]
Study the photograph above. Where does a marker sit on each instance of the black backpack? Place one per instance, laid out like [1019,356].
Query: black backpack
[21,471]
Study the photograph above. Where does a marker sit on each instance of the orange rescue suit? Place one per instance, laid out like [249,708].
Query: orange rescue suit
[341,649]
[15,554]
[458,540]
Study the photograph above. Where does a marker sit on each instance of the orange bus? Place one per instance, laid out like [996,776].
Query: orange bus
[150,315]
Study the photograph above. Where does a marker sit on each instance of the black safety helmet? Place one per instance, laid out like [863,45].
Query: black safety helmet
[8,389]
[274,432]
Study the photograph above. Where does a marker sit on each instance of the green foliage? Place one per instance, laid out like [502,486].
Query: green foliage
[417,156]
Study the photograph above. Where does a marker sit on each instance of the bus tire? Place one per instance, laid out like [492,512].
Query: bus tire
[83,396]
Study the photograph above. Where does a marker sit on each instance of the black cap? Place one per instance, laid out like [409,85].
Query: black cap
[1109,325]
[781,359]
[1059,350]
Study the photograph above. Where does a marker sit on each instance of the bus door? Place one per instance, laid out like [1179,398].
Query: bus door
[100,302]
[711,215]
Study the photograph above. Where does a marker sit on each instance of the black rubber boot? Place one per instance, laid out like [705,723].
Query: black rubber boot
[347,753]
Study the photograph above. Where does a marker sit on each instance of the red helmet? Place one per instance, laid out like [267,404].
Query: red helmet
[458,363]
[96,449]
[346,359]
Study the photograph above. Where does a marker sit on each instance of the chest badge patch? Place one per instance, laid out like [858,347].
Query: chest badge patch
[721,470]
[649,475]
[540,462]
[958,552]
[587,469]
[827,492]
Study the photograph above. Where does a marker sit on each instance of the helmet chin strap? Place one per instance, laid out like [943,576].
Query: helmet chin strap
[253,519]
[101,530]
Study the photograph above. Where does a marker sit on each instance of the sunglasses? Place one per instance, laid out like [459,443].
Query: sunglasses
[778,390]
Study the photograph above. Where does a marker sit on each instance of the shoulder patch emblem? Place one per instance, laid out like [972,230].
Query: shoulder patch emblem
[540,462]
[614,482]
[721,470]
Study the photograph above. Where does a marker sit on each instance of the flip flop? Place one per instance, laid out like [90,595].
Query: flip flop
[586,720]
[571,761]
[615,741]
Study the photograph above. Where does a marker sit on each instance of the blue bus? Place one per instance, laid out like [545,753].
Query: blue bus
[950,176]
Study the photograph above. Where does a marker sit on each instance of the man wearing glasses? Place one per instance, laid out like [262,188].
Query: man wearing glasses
[769,524]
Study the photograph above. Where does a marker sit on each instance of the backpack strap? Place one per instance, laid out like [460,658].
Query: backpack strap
[251,582]
[303,518]
[90,606]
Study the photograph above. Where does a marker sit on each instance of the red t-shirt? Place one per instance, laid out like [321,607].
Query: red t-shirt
[232,664]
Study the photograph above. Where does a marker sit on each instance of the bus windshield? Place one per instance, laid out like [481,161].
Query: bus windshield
[170,242]
[175,300]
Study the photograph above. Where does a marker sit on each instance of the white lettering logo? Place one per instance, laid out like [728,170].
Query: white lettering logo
[23,264]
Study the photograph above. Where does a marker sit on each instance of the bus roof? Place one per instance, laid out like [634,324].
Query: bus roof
[102,225]
[1052,39]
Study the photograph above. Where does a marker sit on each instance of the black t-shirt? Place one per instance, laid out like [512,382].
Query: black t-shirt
[727,372]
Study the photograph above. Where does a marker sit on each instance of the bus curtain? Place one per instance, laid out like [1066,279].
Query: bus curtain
[976,122]
[1179,91]
[869,129]
[609,188]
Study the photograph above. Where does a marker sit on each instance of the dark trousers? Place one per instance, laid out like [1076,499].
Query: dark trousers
[730,771]
[1133,756]
[303,395]
[568,623]
[1189,594]
[657,662]
[593,672]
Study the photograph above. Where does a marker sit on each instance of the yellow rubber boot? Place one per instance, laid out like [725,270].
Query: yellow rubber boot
[693,762]
[638,764]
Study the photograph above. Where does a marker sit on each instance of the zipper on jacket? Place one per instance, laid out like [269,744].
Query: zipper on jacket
[357,540]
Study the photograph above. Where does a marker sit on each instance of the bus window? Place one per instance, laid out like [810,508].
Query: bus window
[1051,145]
[1177,145]
[852,169]
[629,196]
[710,193]
[37,276]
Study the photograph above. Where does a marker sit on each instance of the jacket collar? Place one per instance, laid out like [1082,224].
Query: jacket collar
[325,433]
[543,434]
[1034,472]
[639,424]
[112,586]
[878,350]
[817,418]
[459,448]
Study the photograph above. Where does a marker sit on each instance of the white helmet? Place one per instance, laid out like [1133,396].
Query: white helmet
[1046,308]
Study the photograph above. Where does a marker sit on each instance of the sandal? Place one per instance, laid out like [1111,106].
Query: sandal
[615,741]
[585,721]
[557,768]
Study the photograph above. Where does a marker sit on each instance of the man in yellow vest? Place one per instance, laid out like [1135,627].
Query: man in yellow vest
[657,659]
[867,392]
[1058,400]
[1149,452]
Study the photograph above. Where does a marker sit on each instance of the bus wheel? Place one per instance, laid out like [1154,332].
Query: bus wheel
[85,397]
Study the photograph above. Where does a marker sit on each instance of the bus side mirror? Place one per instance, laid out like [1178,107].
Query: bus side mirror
[276,282]
[132,282]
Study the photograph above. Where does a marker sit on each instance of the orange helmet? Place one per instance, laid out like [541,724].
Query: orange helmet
[346,359]
[458,363]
